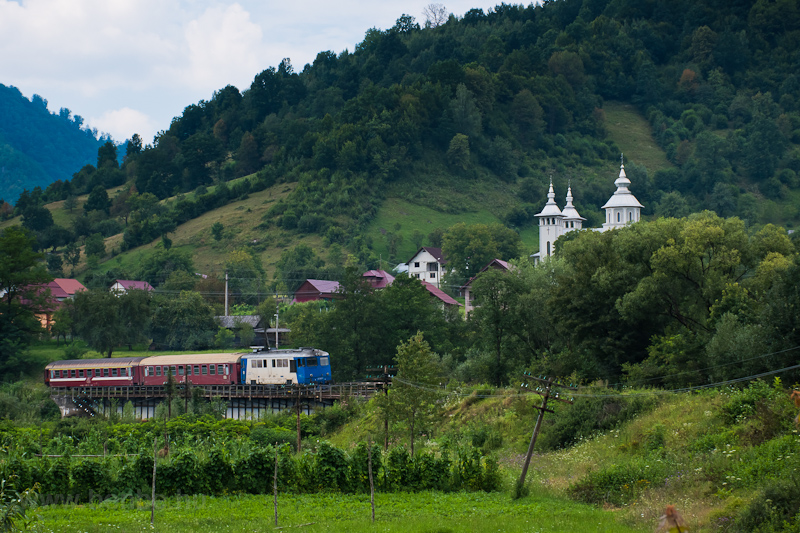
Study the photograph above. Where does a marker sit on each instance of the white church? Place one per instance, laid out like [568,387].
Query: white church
[621,209]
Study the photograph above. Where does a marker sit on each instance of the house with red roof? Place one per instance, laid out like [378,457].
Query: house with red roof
[58,290]
[121,286]
[378,279]
[469,297]
[68,286]
[316,289]
[440,295]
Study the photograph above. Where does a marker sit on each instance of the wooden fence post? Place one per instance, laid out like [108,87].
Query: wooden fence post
[153,497]
[275,486]
[371,483]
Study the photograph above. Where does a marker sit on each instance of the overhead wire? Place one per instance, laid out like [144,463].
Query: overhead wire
[422,386]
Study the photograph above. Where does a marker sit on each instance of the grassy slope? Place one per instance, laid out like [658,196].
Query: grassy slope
[632,133]
[685,440]
[416,205]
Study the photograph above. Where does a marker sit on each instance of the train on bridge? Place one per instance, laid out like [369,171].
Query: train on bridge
[302,366]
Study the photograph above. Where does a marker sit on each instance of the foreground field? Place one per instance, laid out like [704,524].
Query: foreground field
[421,512]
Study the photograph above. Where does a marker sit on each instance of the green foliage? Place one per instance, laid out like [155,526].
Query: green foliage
[216,230]
[185,322]
[156,268]
[98,201]
[15,504]
[91,478]
[620,484]
[470,248]
[40,147]
[772,509]
[224,338]
[412,397]
[20,270]
[105,319]
[590,415]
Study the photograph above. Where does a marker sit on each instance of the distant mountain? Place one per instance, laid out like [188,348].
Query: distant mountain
[38,147]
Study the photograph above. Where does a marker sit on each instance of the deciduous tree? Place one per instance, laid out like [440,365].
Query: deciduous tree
[21,270]
[413,393]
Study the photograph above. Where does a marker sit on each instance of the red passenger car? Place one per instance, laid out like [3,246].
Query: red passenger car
[109,372]
[200,369]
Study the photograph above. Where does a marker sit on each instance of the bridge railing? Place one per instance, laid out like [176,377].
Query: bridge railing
[334,391]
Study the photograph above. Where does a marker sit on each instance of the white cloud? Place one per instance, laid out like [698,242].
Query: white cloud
[122,123]
[223,44]
[138,63]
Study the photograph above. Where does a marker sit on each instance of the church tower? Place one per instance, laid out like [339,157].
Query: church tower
[572,220]
[551,225]
[622,208]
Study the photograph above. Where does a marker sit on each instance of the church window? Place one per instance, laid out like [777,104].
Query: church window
[618,217]
[548,247]
[630,217]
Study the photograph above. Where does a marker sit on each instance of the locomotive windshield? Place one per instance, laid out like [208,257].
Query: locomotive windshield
[311,361]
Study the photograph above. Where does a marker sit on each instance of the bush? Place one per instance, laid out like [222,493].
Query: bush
[332,468]
[266,436]
[619,484]
[771,509]
[589,415]
[91,479]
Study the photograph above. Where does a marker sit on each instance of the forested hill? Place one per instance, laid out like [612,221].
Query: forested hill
[38,147]
[511,94]
[502,98]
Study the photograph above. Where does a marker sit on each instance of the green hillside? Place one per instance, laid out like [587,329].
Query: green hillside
[38,147]
[363,155]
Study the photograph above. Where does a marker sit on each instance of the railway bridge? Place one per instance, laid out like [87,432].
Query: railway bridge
[243,401]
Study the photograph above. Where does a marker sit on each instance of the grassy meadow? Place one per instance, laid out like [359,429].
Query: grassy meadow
[398,512]
[632,133]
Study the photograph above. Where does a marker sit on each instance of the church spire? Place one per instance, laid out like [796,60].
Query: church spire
[551,207]
[572,220]
[623,207]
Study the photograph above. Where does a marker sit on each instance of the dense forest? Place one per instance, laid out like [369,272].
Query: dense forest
[38,147]
[510,95]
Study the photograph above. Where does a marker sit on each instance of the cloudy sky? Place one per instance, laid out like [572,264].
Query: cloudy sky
[129,66]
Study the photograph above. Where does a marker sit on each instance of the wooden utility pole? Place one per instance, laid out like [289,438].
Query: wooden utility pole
[298,417]
[548,385]
[371,482]
[275,486]
[153,498]
[384,377]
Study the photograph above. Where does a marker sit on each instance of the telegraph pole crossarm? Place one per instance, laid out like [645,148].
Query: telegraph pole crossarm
[548,385]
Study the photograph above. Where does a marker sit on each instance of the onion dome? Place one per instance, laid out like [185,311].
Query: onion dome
[551,208]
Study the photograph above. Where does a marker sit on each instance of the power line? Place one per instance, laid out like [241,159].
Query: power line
[586,395]
[708,368]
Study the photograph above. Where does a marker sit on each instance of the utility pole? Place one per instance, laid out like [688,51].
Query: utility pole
[384,377]
[226,293]
[548,385]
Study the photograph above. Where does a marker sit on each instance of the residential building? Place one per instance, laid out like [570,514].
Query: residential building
[427,265]
[469,296]
[316,289]
[121,286]
[378,279]
[441,296]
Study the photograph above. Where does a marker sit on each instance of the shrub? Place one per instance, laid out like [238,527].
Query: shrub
[90,478]
[589,415]
[332,468]
[769,511]
[619,484]
[265,436]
